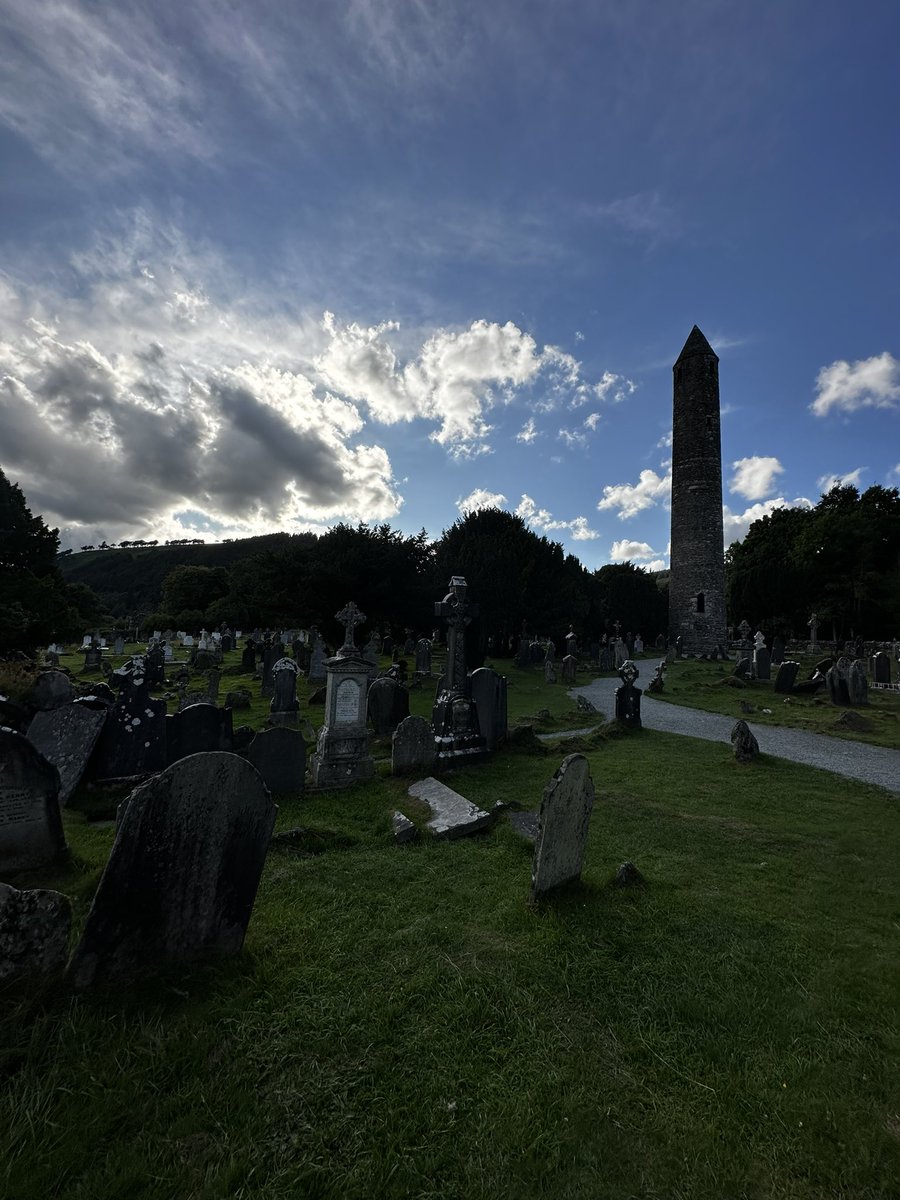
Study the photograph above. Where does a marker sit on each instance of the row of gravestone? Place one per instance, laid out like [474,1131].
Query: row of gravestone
[180,881]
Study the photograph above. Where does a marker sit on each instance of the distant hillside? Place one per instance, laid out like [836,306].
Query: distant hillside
[129,582]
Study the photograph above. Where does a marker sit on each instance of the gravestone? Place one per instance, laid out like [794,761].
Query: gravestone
[569,669]
[412,747]
[92,659]
[198,729]
[66,738]
[838,680]
[387,646]
[248,658]
[571,642]
[280,757]
[387,704]
[342,754]
[155,665]
[881,667]
[549,671]
[133,738]
[454,718]
[745,745]
[183,872]
[274,653]
[857,684]
[34,933]
[488,691]
[285,706]
[742,668]
[607,659]
[778,650]
[317,671]
[787,674]
[628,697]
[423,657]
[564,819]
[31,833]
[52,689]
[452,815]
[762,663]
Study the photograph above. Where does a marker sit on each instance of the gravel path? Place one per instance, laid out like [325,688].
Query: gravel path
[856,760]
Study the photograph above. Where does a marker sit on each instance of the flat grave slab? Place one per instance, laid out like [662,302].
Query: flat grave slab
[453,815]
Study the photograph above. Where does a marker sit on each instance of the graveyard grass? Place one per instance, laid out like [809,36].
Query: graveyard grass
[703,685]
[403,1023]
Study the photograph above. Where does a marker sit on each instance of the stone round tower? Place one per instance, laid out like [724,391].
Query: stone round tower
[697,555]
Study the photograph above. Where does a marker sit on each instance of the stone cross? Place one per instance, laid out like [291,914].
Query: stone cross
[458,612]
[349,617]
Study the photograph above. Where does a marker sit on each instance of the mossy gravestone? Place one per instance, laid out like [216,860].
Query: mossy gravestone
[31,833]
[183,872]
[34,933]
[66,737]
[564,818]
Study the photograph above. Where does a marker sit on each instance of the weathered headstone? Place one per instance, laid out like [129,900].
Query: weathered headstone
[564,819]
[857,684]
[342,754]
[412,747]
[317,660]
[778,650]
[51,690]
[453,815]
[549,671]
[280,757]
[34,933]
[31,833]
[66,737]
[742,668]
[569,669]
[762,663]
[838,681]
[423,657]
[198,729]
[628,697]
[183,872]
[746,747]
[248,658]
[285,705]
[133,738]
[92,659]
[454,717]
[387,704]
[881,667]
[274,653]
[488,691]
[787,674]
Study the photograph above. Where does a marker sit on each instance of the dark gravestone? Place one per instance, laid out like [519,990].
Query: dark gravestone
[155,666]
[226,643]
[34,933]
[423,657]
[274,653]
[857,684]
[881,667]
[838,680]
[565,815]
[628,697]
[387,704]
[66,737]
[412,747]
[183,872]
[280,757]
[52,689]
[808,687]
[488,691]
[198,729]
[778,651]
[762,663]
[742,668]
[387,646]
[31,833]
[133,739]
[285,705]
[248,658]
[746,747]
[569,669]
[787,674]
[92,660]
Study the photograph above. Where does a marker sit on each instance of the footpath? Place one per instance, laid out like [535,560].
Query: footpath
[855,760]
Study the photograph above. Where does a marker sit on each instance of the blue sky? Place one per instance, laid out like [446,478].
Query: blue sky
[273,265]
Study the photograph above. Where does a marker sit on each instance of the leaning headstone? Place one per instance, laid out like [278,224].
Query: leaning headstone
[565,815]
[742,668]
[34,933]
[51,690]
[31,833]
[746,747]
[453,815]
[280,757]
[787,674]
[412,747]
[387,704]
[183,872]
[66,737]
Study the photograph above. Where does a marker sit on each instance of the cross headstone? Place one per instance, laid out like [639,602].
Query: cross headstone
[564,818]
[628,697]
[350,617]
[342,753]
[183,872]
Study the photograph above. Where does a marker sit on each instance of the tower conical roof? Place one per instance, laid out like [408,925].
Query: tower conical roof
[695,346]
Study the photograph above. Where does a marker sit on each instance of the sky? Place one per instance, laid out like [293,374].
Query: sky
[272,266]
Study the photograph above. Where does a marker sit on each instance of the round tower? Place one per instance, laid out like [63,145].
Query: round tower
[697,554]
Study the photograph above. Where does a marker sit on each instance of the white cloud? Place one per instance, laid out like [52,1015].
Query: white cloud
[754,478]
[735,525]
[542,520]
[627,551]
[591,421]
[631,499]
[527,433]
[870,383]
[579,336]
[851,479]
[479,498]
[665,442]
[657,564]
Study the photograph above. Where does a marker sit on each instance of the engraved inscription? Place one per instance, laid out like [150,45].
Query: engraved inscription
[18,807]
[346,704]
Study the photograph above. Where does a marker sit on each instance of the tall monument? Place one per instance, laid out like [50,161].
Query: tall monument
[697,555]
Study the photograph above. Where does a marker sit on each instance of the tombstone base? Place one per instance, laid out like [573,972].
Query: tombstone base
[341,761]
[283,720]
[460,751]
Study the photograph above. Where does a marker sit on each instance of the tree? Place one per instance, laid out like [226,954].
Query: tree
[189,590]
[630,595]
[33,603]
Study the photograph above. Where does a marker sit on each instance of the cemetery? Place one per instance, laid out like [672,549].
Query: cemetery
[373,929]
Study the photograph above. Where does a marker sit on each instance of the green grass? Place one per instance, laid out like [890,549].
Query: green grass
[402,1023]
[702,685]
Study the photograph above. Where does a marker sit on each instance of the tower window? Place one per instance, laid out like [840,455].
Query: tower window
[701,602]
